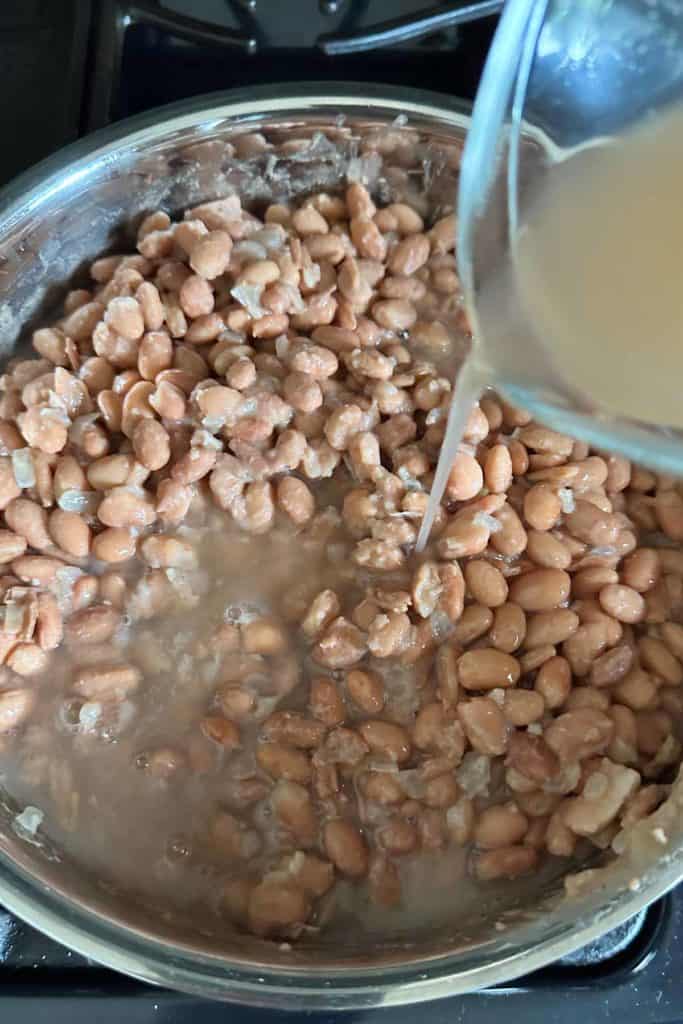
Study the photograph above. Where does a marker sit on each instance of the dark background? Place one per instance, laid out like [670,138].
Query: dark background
[68,66]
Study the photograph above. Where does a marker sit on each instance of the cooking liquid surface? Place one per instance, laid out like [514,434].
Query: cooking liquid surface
[141,780]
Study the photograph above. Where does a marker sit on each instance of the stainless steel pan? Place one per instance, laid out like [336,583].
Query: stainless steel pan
[54,220]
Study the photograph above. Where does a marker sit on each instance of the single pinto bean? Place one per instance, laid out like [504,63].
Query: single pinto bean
[70,532]
[590,581]
[397,837]
[294,728]
[474,621]
[366,690]
[533,757]
[584,645]
[487,669]
[326,703]
[622,603]
[96,624]
[465,479]
[611,666]
[521,707]
[151,444]
[294,808]
[27,659]
[15,708]
[579,734]
[506,862]
[551,627]
[282,762]
[498,469]
[511,539]
[541,589]
[500,826]
[542,507]
[486,583]
[641,569]
[657,657]
[114,545]
[592,525]
[387,740]
[382,788]
[509,628]
[274,907]
[29,520]
[484,725]
[346,848]
[554,681]
[548,551]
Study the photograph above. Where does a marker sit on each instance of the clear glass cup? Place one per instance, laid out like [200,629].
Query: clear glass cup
[560,74]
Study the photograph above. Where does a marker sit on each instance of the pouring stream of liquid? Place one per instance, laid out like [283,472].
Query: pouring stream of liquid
[468,388]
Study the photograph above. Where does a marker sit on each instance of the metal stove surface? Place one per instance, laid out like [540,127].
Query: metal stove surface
[631,976]
[73,65]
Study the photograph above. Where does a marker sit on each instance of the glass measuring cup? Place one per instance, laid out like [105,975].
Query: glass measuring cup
[561,75]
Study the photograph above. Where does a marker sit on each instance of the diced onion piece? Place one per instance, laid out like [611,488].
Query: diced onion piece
[22,466]
[474,774]
[272,236]
[311,275]
[90,714]
[442,627]
[203,439]
[249,249]
[490,522]
[79,501]
[567,502]
[65,579]
[29,821]
[249,296]
[410,482]
[298,304]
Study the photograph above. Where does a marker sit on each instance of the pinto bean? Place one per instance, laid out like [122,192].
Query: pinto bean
[346,848]
[487,668]
[541,589]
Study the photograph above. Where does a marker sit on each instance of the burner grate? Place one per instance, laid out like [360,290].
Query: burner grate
[146,53]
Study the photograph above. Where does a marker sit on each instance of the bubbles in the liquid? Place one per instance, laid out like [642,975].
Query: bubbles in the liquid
[242,612]
[68,714]
[442,626]
[90,715]
[178,847]
[474,774]
[566,496]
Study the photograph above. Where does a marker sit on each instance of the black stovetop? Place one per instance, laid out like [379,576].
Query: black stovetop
[631,975]
[73,65]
